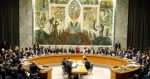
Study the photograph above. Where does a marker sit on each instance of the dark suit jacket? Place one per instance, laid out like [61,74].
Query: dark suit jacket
[68,68]
[71,51]
[34,68]
[117,45]
[64,63]
[87,65]
[62,50]
[4,45]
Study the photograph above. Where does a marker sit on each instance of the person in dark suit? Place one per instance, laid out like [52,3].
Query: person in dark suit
[64,62]
[87,64]
[117,46]
[4,45]
[71,50]
[49,50]
[21,72]
[34,71]
[63,50]
[36,46]
[56,50]
[34,68]
[46,50]
[68,69]
[16,60]
[129,55]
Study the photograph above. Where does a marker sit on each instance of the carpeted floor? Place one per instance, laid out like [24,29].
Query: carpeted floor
[97,73]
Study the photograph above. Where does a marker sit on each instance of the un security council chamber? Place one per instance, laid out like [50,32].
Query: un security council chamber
[74,39]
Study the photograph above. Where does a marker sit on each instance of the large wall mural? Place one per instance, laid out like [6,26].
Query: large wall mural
[73,22]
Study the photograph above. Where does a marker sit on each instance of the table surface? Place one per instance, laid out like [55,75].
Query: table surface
[78,67]
[44,69]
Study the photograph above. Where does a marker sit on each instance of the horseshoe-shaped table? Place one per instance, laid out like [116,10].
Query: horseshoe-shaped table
[120,68]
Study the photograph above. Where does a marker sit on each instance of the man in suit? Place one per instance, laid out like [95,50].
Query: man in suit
[63,50]
[34,68]
[56,50]
[117,46]
[34,71]
[68,69]
[4,45]
[64,62]
[87,64]
[71,50]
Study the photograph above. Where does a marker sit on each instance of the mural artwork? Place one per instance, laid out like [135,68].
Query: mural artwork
[73,22]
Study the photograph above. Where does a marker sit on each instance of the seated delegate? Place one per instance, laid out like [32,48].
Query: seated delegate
[87,64]
[68,68]
[34,71]
[64,62]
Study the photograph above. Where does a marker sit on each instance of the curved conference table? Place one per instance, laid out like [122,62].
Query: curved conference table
[120,68]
